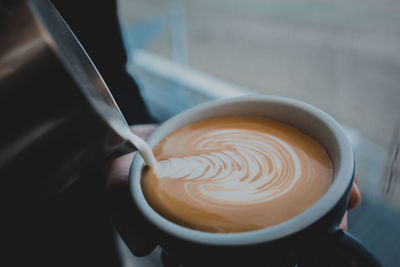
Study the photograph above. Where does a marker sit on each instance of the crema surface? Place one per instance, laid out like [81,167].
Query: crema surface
[236,174]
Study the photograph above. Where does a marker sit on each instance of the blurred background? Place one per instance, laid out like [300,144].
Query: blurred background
[341,56]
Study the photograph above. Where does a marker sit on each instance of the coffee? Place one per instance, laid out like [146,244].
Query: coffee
[236,174]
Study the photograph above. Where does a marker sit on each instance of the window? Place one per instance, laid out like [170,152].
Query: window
[341,56]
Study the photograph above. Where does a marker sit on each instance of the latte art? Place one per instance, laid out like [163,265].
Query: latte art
[252,167]
[236,174]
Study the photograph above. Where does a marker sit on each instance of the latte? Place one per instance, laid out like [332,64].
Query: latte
[236,174]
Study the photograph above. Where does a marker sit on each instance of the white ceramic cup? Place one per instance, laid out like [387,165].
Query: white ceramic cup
[288,243]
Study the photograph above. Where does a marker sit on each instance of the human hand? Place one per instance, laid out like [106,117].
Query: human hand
[130,224]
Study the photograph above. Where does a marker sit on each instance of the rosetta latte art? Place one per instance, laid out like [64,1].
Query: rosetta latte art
[251,167]
[236,174]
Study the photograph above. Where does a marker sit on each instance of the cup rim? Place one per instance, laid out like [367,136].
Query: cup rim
[326,203]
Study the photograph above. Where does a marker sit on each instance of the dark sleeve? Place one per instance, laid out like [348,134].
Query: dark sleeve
[96,25]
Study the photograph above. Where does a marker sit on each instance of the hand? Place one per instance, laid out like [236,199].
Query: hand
[130,224]
[354,201]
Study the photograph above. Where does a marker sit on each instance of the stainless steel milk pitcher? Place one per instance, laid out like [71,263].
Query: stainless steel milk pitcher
[57,116]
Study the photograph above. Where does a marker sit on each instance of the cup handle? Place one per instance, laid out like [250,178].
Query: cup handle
[351,248]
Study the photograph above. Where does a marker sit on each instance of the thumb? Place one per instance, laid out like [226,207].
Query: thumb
[130,224]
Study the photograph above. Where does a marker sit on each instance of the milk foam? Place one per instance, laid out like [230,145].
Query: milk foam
[236,174]
[239,174]
[144,150]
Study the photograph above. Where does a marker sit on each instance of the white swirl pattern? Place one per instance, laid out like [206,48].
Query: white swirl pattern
[235,166]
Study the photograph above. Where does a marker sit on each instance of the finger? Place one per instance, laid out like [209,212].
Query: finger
[130,224]
[343,224]
[355,197]
[143,130]
[118,169]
